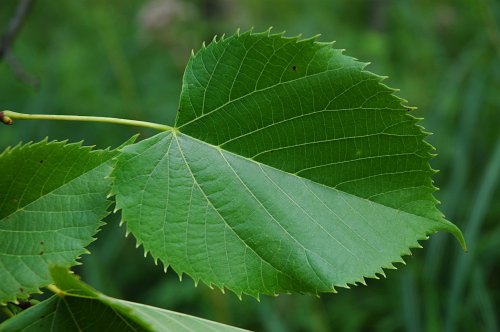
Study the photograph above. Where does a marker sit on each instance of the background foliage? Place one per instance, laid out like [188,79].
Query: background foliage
[125,59]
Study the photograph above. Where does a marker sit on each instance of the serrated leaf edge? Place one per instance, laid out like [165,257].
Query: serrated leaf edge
[79,145]
[423,134]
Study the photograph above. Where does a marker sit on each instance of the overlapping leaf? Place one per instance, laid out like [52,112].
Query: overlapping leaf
[291,168]
[80,308]
[52,200]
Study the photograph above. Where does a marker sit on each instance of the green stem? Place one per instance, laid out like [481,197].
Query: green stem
[54,289]
[7,117]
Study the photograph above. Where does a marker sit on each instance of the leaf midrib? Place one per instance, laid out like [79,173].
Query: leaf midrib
[302,178]
[440,224]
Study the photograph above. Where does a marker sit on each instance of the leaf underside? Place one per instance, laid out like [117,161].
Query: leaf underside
[81,308]
[290,169]
[52,200]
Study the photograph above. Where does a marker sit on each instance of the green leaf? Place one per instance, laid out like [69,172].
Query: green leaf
[291,168]
[52,200]
[78,307]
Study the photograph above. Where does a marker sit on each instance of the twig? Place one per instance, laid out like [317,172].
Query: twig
[14,26]
[19,71]
[8,38]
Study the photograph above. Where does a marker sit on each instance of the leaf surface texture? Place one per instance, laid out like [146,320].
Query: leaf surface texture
[52,200]
[291,169]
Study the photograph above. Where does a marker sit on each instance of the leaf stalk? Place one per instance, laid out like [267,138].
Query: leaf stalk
[8,117]
[54,289]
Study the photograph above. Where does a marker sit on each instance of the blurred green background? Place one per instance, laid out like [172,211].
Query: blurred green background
[126,58]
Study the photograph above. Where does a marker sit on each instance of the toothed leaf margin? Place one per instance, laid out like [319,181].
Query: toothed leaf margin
[290,169]
[52,201]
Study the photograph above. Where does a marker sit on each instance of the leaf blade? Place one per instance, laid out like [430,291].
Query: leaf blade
[54,204]
[275,161]
[77,306]
[258,247]
[316,100]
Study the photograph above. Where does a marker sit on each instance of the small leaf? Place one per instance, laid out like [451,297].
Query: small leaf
[291,168]
[78,307]
[52,201]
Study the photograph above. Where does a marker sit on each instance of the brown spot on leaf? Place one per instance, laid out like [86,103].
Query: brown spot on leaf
[294,68]
[41,253]
[21,290]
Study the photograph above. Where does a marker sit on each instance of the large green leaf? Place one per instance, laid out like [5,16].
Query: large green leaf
[290,168]
[52,200]
[78,307]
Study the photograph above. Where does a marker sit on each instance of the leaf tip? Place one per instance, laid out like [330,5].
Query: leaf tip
[449,227]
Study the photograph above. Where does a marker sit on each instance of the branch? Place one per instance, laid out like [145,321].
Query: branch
[19,71]
[14,26]
[8,38]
